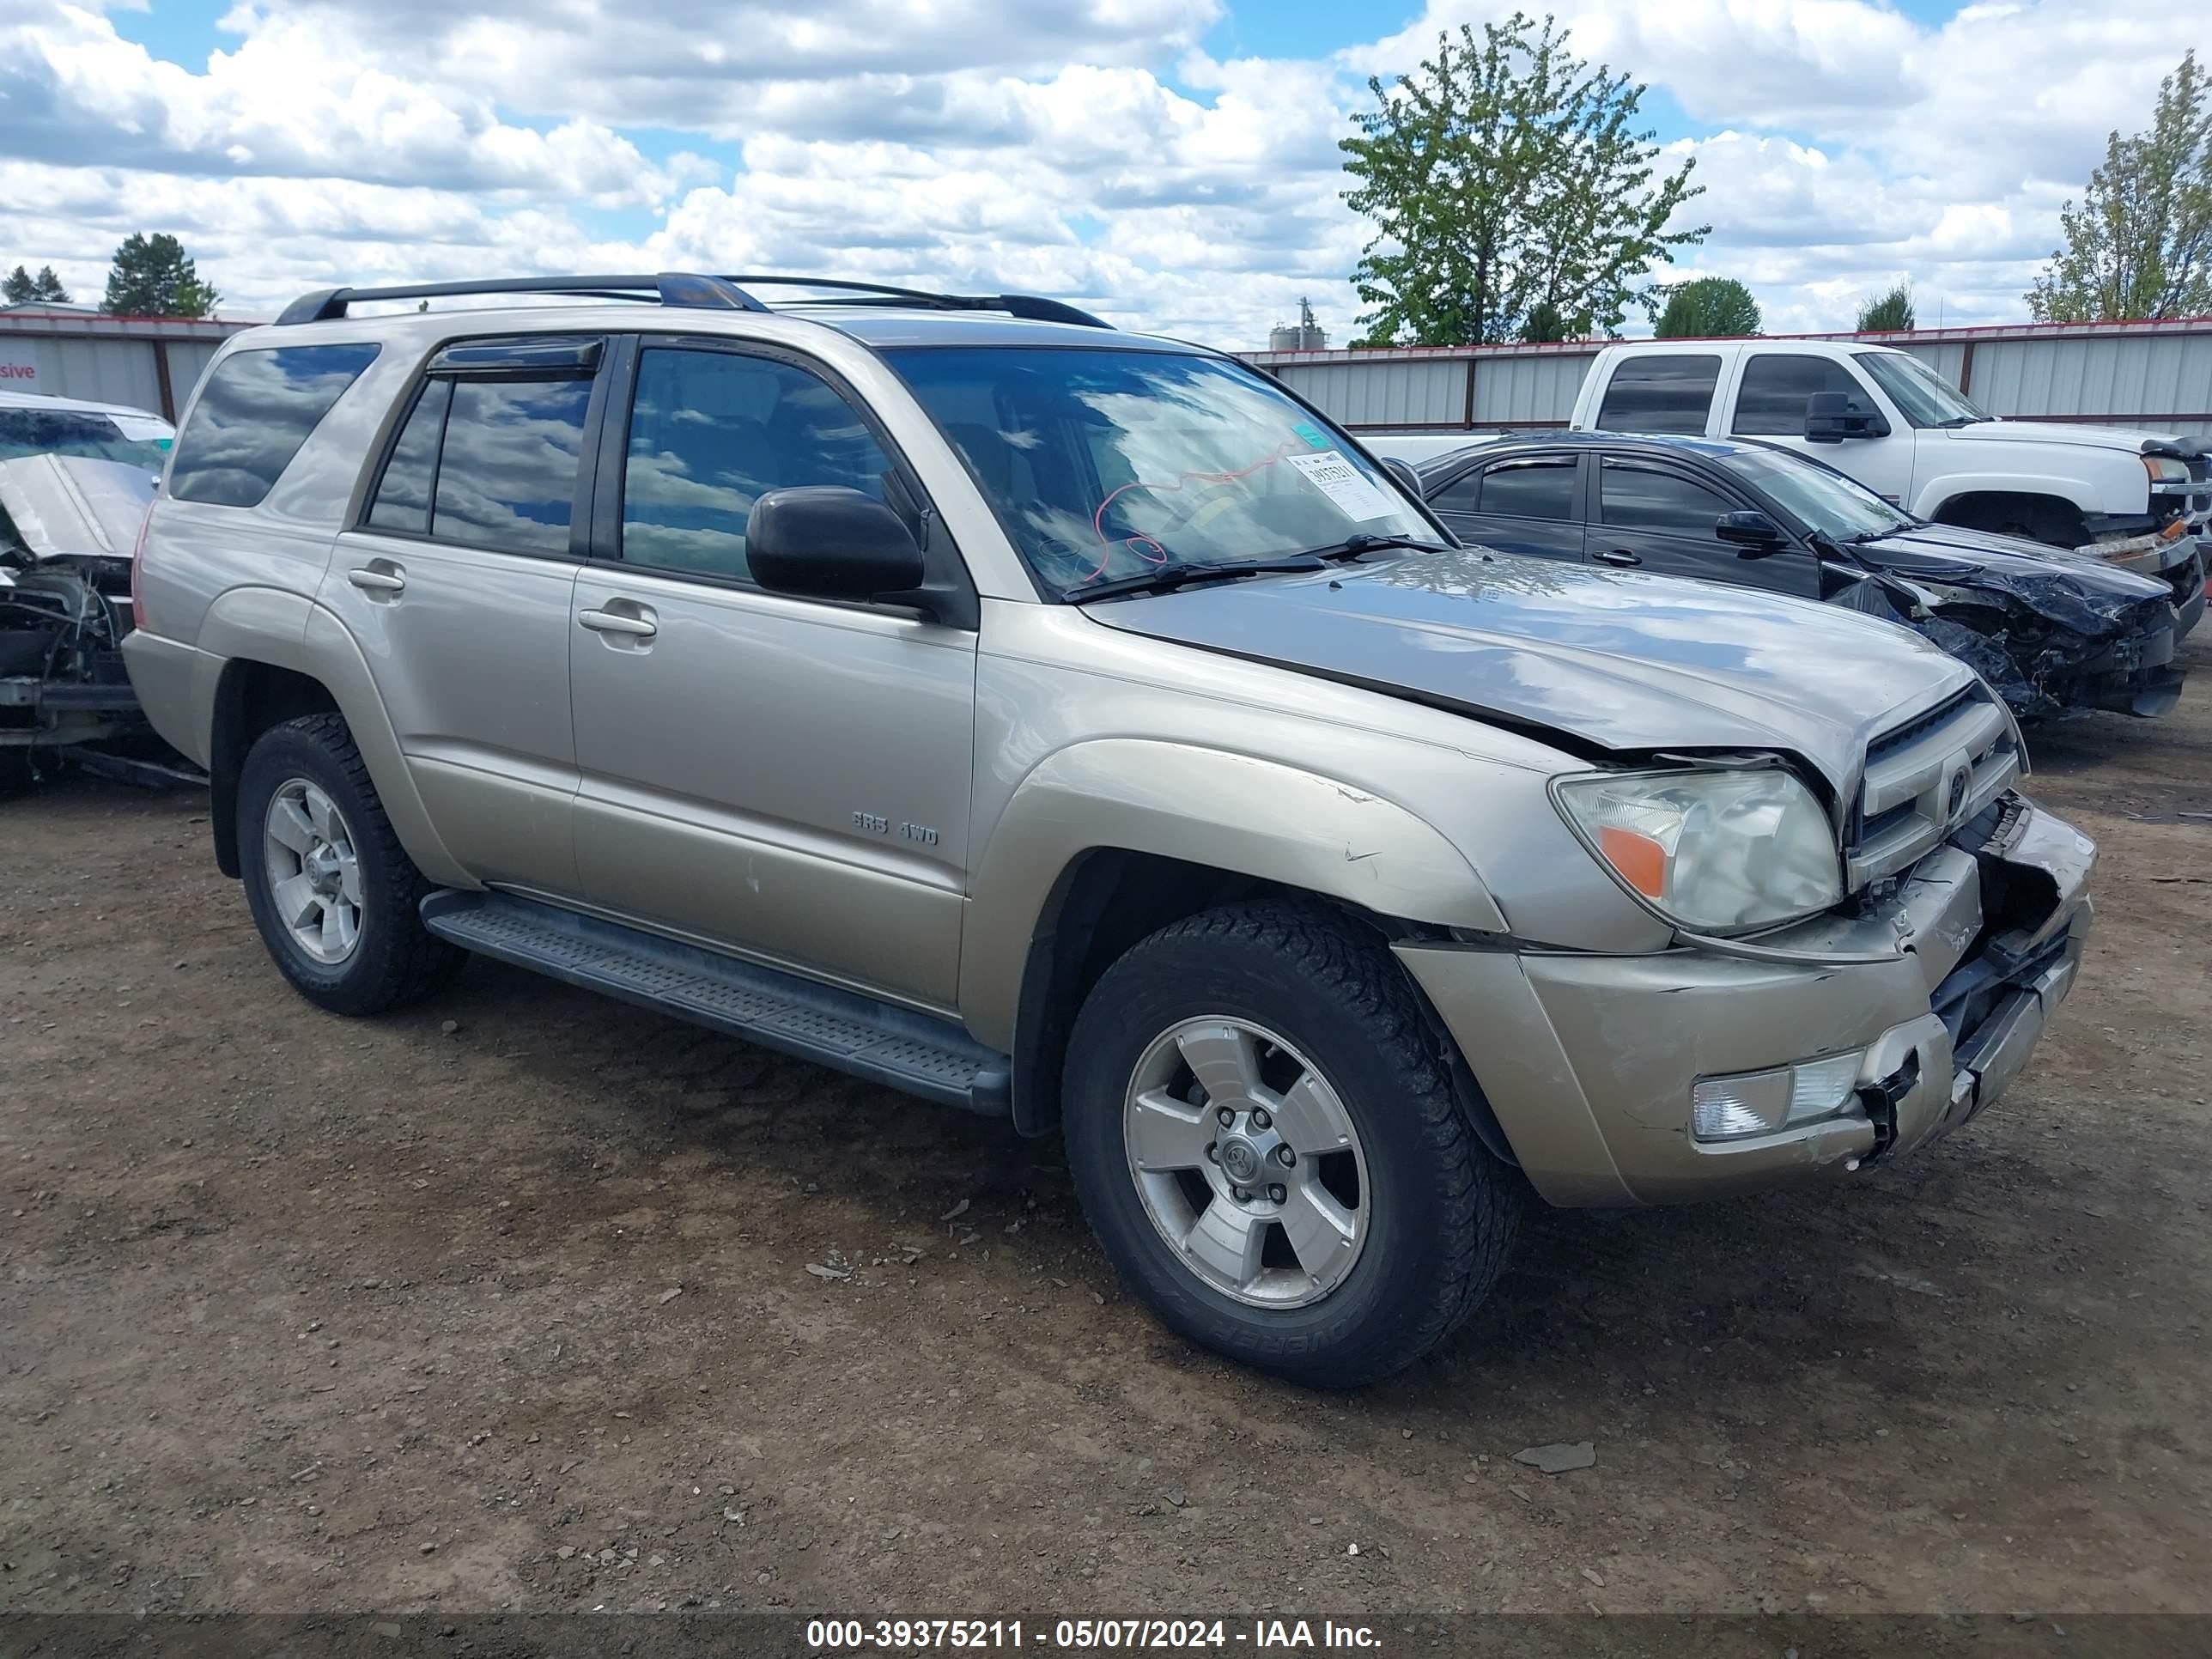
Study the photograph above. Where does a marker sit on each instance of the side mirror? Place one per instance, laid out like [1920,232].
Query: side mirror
[1753,534]
[826,542]
[1831,417]
[1404,473]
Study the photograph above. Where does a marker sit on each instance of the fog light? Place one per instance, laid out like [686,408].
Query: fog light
[1764,1102]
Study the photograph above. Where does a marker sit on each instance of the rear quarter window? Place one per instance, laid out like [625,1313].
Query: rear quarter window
[255,411]
[1669,392]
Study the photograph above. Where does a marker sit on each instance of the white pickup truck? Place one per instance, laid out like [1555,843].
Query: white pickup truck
[2144,500]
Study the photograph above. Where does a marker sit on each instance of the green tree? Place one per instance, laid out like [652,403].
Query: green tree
[48,287]
[1543,323]
[1507,181]
[152,277]
[2140,243]
[1888,312]
[20,287]
[1710,307]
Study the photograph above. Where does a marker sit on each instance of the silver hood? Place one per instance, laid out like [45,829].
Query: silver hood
[1611,660]
[71,505]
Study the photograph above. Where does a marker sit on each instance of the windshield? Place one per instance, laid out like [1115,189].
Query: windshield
[1925,397]
[1817,497]
[73,431]
[1106,464]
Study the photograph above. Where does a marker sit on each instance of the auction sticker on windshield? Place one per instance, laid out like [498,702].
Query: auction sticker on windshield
[1336,478]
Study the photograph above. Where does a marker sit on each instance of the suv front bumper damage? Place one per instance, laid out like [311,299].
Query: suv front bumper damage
[1590,1061]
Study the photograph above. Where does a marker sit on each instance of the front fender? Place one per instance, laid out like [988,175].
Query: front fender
[1231,813]
[2085,494]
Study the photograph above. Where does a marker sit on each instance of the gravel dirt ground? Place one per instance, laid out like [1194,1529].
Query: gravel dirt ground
[526,1300]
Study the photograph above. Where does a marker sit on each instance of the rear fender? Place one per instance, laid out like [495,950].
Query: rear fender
[288,630]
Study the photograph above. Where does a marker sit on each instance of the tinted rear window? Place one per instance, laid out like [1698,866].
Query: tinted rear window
[403,495]
[255,411]
[1659,392]
[506,478]
[1530,489]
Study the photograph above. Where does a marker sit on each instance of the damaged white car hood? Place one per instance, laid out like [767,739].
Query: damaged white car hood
[71,506]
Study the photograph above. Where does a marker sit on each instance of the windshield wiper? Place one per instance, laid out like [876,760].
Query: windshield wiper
[1361,541]
[1965,420]
[1178,573]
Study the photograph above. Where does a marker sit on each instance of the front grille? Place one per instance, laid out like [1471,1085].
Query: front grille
[1926,775]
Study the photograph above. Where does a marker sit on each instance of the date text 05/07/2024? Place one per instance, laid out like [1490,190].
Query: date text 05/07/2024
[1111,1635]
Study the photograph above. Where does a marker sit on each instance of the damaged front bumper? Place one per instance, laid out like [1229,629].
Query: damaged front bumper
[1591,1063]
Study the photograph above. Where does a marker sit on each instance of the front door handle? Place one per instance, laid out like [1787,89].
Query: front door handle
[379,576]
[638,626]
[1619,556]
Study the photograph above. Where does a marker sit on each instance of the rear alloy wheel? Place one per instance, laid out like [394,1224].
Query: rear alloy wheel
[333,890]
[314,874]
[1266,1139]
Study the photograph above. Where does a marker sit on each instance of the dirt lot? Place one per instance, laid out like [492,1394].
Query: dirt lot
[507,1304]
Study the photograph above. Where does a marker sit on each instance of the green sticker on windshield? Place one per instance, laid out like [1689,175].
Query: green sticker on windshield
[1312,435]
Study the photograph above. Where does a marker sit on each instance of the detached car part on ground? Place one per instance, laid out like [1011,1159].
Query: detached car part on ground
[74,490]
[1072,726]
[2056,633]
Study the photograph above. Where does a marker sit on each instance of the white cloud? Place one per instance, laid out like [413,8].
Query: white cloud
[1091,148]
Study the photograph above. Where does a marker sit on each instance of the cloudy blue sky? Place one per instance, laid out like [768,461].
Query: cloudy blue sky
[1172,163]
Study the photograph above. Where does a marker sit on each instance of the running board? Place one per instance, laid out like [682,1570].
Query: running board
[914,1052]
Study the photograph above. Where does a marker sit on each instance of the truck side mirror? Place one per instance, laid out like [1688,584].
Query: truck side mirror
[1831,417]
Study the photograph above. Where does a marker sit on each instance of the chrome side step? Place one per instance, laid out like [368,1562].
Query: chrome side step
[888,1044]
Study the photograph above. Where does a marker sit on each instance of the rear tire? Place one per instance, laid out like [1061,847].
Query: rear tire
[335,896]
[1293,1006]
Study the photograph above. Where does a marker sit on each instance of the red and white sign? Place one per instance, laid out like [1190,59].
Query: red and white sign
[19,372]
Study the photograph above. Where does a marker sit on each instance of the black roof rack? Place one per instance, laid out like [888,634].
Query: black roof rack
[1033,307]
[670,287]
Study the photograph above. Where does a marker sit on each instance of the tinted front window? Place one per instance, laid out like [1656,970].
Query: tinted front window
[712,432]
[25,432]
[1104,464]
[403,495]
[506,478]
[1664,503]
[1529,489]
[1661,392]
[1770,401]
[255,412]
[1815,497]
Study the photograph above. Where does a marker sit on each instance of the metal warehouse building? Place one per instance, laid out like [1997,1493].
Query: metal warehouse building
[2147,374]
[70,351]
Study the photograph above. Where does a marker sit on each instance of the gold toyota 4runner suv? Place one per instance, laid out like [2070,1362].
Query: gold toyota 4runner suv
[1075,727]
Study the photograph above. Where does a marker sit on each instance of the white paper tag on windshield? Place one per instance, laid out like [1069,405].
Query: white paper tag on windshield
[1337,478]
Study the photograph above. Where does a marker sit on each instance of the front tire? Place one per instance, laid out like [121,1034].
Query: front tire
[333,893]
[1267,1143]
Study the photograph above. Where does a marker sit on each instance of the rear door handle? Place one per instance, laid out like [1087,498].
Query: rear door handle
[640,626]
[379,576]
[1619,556]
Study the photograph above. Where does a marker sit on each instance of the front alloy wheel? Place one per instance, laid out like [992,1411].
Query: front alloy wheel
[1263,1129]
[1246,1162]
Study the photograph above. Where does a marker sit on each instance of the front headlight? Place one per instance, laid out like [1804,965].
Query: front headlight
[2166,469]
[1716,852]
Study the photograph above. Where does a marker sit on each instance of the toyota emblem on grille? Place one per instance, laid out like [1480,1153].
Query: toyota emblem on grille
[1954,802]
